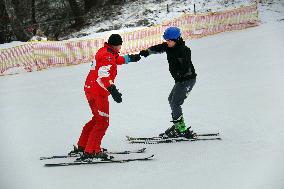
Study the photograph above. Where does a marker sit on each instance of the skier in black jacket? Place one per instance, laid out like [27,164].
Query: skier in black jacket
[183,72]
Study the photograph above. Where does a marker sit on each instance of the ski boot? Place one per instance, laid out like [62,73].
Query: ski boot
[170,133]
[76,151]
[89,157]
[189,134]
[178,130]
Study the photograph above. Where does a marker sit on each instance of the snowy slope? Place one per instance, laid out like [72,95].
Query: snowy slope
[238,93]
[153,12]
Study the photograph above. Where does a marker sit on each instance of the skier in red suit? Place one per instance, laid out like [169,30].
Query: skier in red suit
[99,85]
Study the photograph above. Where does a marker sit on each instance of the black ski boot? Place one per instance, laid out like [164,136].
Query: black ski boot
[178,130]
[89,157]
[175,130]
[76,151]
[171,132]
[189,134]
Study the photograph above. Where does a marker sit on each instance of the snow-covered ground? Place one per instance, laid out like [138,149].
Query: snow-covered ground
[239,93]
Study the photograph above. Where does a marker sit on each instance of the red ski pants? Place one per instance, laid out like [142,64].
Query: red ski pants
[94,131]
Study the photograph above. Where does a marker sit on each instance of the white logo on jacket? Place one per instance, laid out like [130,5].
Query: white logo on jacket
[103,114]
[103,72]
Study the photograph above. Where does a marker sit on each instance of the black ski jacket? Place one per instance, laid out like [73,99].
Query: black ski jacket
[179,59]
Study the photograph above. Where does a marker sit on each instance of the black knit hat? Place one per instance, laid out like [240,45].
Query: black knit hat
[115,40]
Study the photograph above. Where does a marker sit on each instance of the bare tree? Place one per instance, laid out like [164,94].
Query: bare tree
[15,22]
[94,3]
[33,15]
[3,22]
[78,13]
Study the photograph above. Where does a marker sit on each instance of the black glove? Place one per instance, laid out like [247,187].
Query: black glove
[144,53]
[114,93]
[134,57]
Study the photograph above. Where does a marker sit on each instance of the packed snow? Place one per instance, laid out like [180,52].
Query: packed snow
[239,93]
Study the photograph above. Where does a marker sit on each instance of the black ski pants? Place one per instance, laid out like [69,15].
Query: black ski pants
[177,96]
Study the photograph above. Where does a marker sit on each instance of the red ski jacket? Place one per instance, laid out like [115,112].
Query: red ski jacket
[103,71]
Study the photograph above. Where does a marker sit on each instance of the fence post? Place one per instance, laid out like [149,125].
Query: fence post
[168,9]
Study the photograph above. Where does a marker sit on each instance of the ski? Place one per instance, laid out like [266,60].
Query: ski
[99,161]
[208,134]
[110,152]
[171,140]
[129,138]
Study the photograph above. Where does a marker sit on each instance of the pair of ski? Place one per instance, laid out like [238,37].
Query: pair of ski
[159,139]
[98,161]
[133,140]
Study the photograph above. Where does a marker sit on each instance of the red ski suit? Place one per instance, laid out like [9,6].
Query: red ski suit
[100,77]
